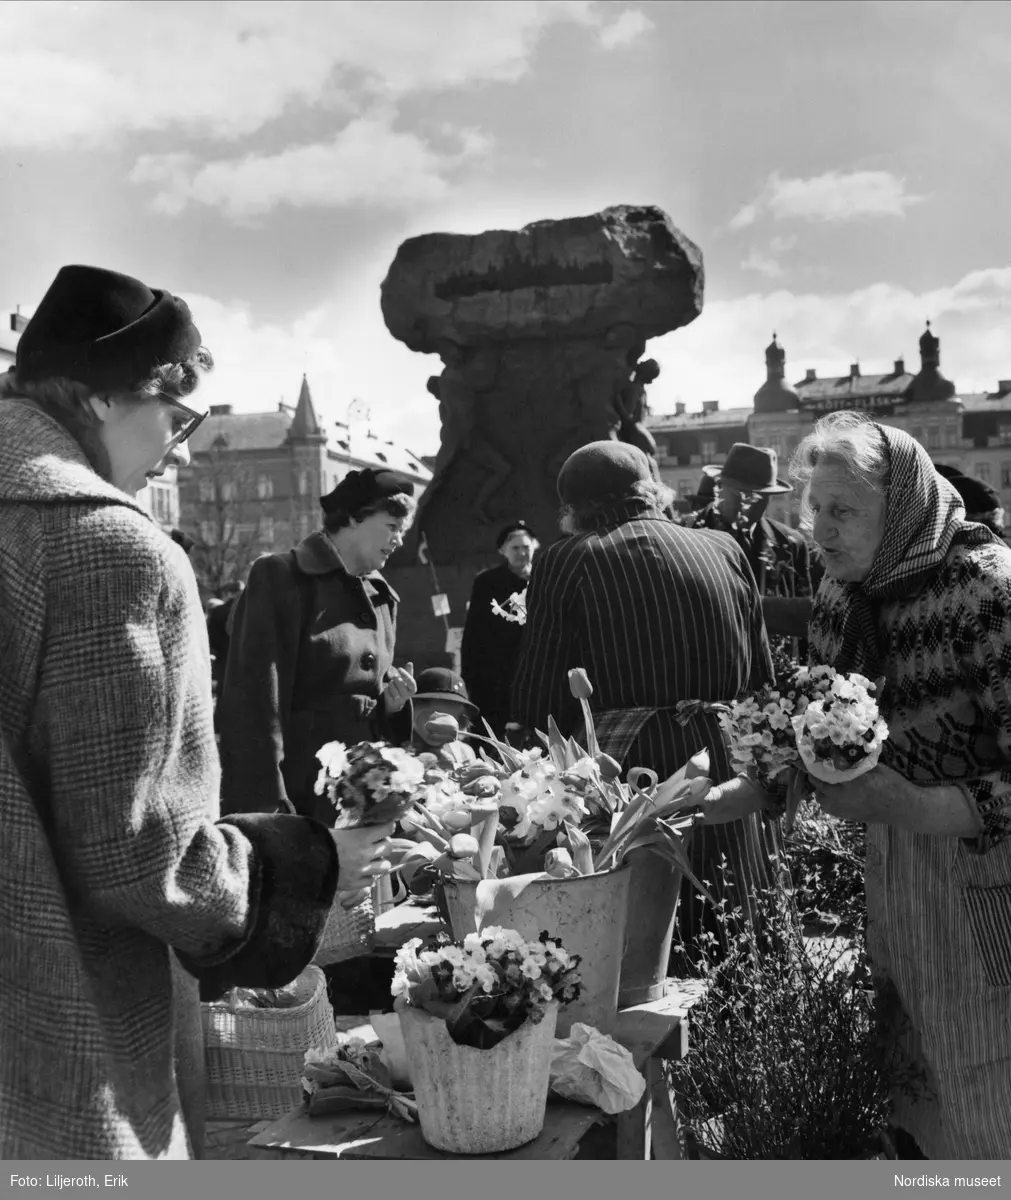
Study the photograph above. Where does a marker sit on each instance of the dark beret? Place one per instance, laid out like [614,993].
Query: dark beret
[360,488]
[515,527]
[602,471]
[977,496]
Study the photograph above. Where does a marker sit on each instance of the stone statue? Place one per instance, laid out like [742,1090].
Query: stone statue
[541,331]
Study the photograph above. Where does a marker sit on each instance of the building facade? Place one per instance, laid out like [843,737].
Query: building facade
[254,482]
[972,432]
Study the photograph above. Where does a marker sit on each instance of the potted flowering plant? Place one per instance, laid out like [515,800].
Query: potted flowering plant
[370,783]
[550,837]
[479,1018]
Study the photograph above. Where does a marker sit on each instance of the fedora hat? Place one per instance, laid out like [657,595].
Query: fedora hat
[753,469]
[440,683]
[103,329]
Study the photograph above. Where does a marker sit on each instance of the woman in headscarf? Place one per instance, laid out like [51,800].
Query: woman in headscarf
[310,658]
[917,595]
[119,888]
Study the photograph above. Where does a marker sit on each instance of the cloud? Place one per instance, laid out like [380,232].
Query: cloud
[833,196]
[84,74]
[624,30]
[762,263]
[368,162]
[720,356]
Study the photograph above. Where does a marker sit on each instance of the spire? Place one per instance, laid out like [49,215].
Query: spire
[930,349]
[775,360]
[305,426]
[930,384]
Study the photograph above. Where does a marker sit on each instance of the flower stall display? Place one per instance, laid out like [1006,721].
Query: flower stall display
[478,1017]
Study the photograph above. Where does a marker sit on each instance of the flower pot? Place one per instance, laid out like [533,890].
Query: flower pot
[478,1101]
[586,914]
[652,903]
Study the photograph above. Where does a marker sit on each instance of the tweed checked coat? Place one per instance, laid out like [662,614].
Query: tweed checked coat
[114,874]
[310,648]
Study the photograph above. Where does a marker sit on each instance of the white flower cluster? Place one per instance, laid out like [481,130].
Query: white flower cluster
[540,797]
[514,610]
[493,959]
[841,732]
[762,733]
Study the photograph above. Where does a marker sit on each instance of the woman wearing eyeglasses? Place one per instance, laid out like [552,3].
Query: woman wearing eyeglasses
[119,887]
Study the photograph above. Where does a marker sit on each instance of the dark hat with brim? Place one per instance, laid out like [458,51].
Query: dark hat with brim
[507,533]
[359,489]
[440,683]
[103,329]
[602,471]
[753,469]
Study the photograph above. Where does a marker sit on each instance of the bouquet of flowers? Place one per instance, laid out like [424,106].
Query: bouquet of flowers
[370,783]
[514,609]
[352,1075]
[486,986]
[840,731]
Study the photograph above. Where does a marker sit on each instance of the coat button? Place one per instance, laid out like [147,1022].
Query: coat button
[368,660]
[365,617]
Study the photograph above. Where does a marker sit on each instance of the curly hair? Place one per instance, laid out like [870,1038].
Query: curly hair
[848,438]
[400,505]
[585,518]
[68,401]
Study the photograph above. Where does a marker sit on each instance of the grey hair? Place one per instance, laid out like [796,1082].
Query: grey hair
[584,518]
[850,439]
[67,400]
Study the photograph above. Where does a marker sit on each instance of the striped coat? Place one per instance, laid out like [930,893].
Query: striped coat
[656,614]
[114,874]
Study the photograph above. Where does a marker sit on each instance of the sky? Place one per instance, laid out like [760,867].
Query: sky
[843,167]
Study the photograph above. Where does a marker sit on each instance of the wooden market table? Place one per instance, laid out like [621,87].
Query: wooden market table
[654,1033]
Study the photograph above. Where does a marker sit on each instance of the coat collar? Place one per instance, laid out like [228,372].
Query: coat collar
[41,463]
[315,555]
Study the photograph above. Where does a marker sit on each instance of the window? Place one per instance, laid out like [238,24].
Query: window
[265,487]
[228,490]
[207,533]
[916,431]
[661,451]
[983,471]
[933,438]
[1005,474]
[303,483]
[266,530]
[686,488]
[708,449]
[305,525]
[206,491]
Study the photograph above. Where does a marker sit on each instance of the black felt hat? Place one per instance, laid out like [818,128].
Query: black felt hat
[440,683]
[104,329]
[977,496]
[602,471]
[515,527]
[360,488]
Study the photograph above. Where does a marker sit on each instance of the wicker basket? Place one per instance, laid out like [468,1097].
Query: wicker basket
[349,933]
[254,1056]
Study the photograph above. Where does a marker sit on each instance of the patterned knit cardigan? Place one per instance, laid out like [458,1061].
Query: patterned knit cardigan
[114,870]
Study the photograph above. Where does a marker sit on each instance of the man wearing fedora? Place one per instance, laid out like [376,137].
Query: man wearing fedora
[779,556]
[982,502]
[656,614]
[491,642]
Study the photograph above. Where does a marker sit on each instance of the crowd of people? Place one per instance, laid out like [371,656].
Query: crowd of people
[159,852]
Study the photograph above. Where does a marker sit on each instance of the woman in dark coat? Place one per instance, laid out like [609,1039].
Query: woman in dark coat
[119,886]
[310,659]
[491,643]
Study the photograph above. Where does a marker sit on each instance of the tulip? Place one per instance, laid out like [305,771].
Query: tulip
[608,767]
[579,684]
[463,845]
[458,820]
[558,864]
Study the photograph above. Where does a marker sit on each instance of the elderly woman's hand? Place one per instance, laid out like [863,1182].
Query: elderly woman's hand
[730,801]
[363,854]
[884,797]
[400,686]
